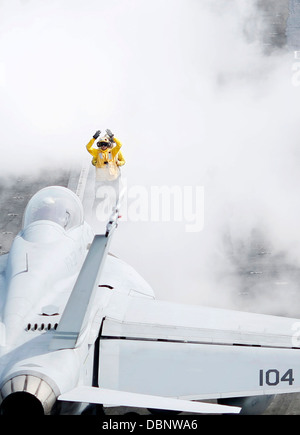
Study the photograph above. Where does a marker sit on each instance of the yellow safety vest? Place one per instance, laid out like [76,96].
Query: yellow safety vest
[106,166]
[104,158]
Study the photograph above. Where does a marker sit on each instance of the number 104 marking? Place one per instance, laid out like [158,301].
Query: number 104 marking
[272,377]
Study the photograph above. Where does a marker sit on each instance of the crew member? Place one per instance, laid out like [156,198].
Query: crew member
[107,157]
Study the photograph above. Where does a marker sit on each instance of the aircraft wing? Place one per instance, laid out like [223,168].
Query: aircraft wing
[149,352]
[76,313]
[123,398]
[167,349]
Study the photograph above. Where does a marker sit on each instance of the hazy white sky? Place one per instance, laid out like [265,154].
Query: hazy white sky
[193,102]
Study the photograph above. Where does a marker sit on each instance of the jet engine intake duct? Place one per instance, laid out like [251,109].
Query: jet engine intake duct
[26,394]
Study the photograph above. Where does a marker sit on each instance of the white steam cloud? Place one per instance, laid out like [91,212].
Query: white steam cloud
[195,102]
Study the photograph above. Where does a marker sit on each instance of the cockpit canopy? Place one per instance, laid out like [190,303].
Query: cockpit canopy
[57,204]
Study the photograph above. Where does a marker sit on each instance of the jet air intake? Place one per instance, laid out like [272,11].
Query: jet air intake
[26,394]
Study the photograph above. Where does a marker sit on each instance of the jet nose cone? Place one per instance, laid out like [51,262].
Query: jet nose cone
[26,394]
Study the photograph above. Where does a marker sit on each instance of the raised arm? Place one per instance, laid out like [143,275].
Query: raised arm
[89,146]
[118,146]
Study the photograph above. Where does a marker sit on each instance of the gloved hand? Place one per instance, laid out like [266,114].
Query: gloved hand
[110,134]
[97,134]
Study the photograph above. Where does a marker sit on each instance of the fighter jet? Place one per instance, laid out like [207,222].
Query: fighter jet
[81,328]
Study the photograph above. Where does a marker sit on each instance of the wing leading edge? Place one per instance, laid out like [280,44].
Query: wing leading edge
[76,313]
